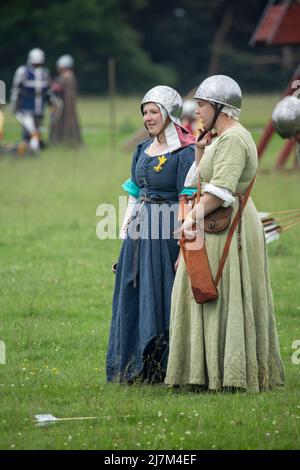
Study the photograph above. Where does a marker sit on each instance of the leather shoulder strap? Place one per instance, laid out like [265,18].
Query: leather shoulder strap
[233,226]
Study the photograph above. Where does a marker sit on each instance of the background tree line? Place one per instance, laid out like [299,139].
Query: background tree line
[154,41]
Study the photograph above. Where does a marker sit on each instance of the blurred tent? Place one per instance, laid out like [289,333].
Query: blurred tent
[279,25]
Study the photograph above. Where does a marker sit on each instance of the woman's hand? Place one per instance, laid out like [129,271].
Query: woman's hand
[200,146]
[187,229]
[206,140]
[114,267]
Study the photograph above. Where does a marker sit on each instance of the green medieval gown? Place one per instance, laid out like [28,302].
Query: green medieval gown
[232,341]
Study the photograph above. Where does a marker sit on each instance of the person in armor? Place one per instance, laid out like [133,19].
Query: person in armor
[138,343]
[229,343]
[189,117]
[64,126]
[29,95]
[286,120]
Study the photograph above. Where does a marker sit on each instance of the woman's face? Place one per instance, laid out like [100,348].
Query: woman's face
[152,118]
[206,112]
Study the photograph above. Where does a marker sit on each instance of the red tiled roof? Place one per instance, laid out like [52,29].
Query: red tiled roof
[280,26]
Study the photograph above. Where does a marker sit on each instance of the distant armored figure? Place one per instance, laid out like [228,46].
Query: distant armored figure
[286,120]
[29,95]
[189,117]
[64,125]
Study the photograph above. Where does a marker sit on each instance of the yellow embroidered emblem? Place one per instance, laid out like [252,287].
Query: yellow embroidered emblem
[162,160]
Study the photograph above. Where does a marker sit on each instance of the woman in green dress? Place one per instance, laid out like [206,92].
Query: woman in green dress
[232,341]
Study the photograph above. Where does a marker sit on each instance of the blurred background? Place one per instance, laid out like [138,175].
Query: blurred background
[171,41]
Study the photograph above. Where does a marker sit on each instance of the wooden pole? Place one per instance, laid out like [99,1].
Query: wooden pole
[284,154]
[112,104]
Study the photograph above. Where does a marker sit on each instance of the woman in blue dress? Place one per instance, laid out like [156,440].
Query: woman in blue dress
[139,334]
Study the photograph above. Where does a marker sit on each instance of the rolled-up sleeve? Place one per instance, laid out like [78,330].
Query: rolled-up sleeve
[229,162]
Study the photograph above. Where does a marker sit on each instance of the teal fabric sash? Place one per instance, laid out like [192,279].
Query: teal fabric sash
[131,188]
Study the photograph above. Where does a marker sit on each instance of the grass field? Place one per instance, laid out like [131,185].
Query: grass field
[55,301]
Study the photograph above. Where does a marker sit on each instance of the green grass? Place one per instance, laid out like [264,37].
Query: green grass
[55,300]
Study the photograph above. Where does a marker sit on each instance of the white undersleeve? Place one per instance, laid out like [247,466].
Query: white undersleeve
[191,178]
[222,193]
[131,203]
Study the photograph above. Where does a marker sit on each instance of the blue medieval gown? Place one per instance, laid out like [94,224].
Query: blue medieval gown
[138,342]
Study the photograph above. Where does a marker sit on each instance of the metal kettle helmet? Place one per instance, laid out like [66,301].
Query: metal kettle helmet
[166,97]
[286,117]
[36,56]
[65,62]
[220,89]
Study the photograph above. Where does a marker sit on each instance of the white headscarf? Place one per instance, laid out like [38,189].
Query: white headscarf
[173,141]
[231,112]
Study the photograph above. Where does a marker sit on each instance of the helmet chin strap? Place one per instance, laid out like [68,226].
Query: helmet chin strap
[218,108]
